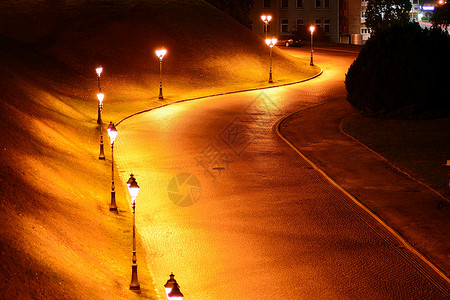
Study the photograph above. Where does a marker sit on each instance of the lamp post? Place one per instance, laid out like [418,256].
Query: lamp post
[99,71]
[169,284]
[112,132]
[133,189]
[100,97]
[160,53]
[266,20]
[271,43]
[312,28]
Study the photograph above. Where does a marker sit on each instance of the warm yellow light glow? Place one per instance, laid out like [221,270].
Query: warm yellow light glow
[312,28]
[100,97]
[266,18]
[271,42]
[112,132]
[99,71]
[133,189]
[160,53]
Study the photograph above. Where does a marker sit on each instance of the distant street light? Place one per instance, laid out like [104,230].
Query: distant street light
[160,53]
[100,97]
[312,28]
[133,189]
[266,20]
[99,71]
[112,132]
[169,284]
[175,294]
[271,43]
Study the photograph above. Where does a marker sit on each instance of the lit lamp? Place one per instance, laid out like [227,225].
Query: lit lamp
[112,132]
[133,189]
[99,71]
[169,284]
[160,53]
[266,20]
[100,97]
[175,294]
[312,28]
[271,43]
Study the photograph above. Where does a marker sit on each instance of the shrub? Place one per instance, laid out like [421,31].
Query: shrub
[402,72]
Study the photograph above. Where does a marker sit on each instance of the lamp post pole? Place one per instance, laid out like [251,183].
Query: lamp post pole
[266,20]
[311,28]
[100,97]
[112,132]
[160,53]
[271,43]
[133,188]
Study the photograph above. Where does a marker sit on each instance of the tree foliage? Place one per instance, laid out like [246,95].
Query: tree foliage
[441,16]
[402,72]
[382,14]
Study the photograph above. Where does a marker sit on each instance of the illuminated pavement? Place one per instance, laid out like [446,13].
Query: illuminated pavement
[263,224]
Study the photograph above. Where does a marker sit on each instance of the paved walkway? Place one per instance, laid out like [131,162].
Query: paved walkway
[407,206]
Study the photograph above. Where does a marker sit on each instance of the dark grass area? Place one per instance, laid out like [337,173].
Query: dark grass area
[417,147]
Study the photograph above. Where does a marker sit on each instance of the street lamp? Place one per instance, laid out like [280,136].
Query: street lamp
[160,53]
[175,294]
[100,97]
[266,20]
[133,189]
[112,132]
[169,284]
[99,71]
[312,28]
[271,43]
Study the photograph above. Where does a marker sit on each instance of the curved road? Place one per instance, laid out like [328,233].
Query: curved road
[235,213]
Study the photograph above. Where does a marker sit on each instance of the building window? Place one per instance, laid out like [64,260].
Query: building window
[299,3]
[266,3]
[300,24]
[284,25]
[326,3]
[318,24]
[326,26]
[284,3]
[317,3]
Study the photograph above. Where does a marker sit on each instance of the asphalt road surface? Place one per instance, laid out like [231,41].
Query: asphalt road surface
[235,213]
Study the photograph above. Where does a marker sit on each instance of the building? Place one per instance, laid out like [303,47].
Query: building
[295,16]
[337,21]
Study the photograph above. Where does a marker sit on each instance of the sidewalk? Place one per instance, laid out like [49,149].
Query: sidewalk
[404,204]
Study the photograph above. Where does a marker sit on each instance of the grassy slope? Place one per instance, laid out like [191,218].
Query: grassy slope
[419,147]
[58,239]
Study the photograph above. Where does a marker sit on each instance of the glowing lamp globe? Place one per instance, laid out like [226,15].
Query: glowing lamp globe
[175,294]
[169,285]
[160,53]
[133,189]
[271,42]
[99,71]
[312,28]
[266,18]
[112,132]
[100,97]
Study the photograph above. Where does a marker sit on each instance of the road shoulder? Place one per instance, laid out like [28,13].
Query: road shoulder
[404,204]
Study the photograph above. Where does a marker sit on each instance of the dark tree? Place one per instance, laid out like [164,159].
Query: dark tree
[381,14]
[237,9]
[441,16]
[402,72]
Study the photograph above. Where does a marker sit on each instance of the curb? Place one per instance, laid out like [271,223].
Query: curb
[219,94]
[372,214]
